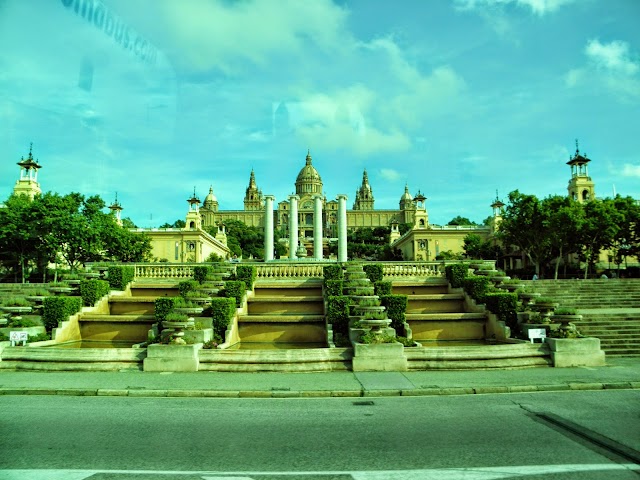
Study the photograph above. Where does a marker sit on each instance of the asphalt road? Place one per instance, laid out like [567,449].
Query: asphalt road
[542,435]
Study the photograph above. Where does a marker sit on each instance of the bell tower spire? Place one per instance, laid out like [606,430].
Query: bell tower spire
[253,195]
[28,184]
[364,195]
[581,188]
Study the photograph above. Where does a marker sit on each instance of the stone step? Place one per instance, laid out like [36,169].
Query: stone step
[97,317]
[293,318]
[437,317]
[276,299]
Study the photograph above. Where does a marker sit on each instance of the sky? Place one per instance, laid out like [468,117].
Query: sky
[460,99]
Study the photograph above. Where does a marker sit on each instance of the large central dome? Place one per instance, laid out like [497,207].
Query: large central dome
[308,180]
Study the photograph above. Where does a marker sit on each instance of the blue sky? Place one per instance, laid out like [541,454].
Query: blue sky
[460,98]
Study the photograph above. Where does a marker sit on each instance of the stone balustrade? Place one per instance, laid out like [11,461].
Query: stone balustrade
[292,270]
[164,270]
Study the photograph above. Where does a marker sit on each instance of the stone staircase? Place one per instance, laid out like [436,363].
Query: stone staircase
[454,338]
[610,309]
[284,312]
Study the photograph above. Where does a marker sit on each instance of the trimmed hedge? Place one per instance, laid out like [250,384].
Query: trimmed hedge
[120,276]
[235,289]
[200,273]
[222,312]
[374,271]
[476,287]
[333,288]
[187,286]
[246,273]
[503,305]
[333,272]
[59,309]
[396,306]
[93,290]
[338,313]
[162,306]
[383,287]
[456,274]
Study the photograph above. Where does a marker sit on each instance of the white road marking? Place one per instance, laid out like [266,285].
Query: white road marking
[480,473]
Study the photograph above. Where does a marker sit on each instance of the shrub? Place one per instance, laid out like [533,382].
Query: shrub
[58,309]
[374,271]
[372,337]
[333,272]
[93,290]
[40,337]
[235,289]
[200,272]
[545,300]
[338,313]
[476,287]
[37,292]
[15,322]
[247,274]
[16,302]
[504,305]
[187,286]
[120,276]
[565,311]
[383,287]
[333,288]
[162,306]
[176,317]
[456,274]
[222,312]
[396,306]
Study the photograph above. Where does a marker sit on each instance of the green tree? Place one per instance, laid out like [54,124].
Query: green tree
[177,224]
[564,217]
[627,240]
[598,230]
[243,240]
[525,224]
[461,221]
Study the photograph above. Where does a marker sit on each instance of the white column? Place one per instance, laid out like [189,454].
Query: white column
[317,227]
[293,226]
[342,227]
[268,227]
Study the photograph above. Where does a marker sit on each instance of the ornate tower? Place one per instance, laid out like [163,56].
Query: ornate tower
[581,188]
[193,220]
[116,210]
[497,207]
[210,201]
[28,184]
[308,181]
[253,195]
[364,195]
[421,219]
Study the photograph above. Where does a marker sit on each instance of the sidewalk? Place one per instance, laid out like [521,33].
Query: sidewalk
[620,373]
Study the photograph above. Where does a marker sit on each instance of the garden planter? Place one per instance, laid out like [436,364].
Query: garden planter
[379,357]
[576,352]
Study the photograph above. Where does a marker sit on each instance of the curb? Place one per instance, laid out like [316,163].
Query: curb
[414,392]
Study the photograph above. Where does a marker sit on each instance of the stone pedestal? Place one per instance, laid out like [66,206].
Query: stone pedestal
[379,357]
[576,352]
[172,358]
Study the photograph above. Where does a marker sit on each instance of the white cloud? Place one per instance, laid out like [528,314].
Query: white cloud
[222,35]
[610,66]
[573,77]
[630,170]
[613,56]
[539,7]
[390,174]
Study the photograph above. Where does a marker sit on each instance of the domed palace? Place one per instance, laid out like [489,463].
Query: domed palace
[412,211]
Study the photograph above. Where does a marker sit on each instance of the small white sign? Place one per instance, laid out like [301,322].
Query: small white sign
[16,337]
[537,333]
